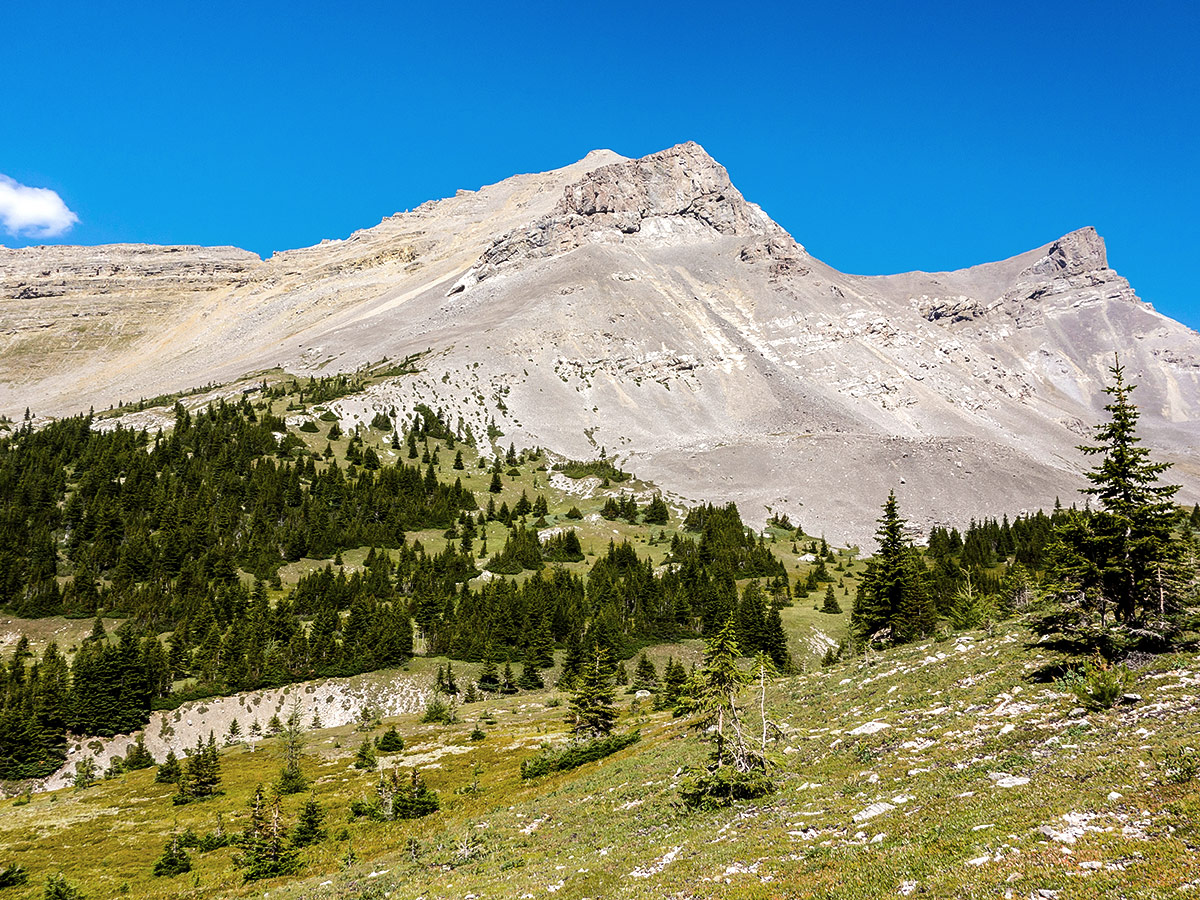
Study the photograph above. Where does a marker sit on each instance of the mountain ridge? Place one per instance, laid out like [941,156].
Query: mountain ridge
[645,307]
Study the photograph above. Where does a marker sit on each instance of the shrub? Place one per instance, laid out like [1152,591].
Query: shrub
[1100,685]
[58,888]
[308,426]
[174,860]
[13,876]
[1179,765]
[600,468]
[397,798]
[439,711]
[215,840]
[577,754]
[390,741]
[722,787]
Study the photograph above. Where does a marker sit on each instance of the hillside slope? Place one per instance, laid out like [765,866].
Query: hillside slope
[646,307]
[941,769]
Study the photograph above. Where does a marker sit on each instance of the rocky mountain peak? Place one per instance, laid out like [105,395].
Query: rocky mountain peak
[680,181]
[677,192]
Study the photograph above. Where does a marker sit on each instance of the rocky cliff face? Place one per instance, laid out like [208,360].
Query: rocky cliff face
[681,192]
[644,306]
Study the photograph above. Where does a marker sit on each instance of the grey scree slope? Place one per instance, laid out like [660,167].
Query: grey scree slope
[643,306]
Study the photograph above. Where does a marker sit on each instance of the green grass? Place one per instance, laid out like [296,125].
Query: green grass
[599,825]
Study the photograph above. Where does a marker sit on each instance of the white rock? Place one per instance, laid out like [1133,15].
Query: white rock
[869,728]
[875,809]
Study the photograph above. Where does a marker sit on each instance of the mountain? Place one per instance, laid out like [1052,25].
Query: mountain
[646,308]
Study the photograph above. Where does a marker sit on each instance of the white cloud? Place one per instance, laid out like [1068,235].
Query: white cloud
[36,212]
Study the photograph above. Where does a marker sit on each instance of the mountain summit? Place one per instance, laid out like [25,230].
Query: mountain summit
[644,307]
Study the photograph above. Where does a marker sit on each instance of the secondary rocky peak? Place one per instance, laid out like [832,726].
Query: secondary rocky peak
[680,191]
[1072,254]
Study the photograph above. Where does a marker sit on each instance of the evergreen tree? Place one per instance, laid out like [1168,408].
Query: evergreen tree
[657,512]
[309,828]
[523,507]
[831,604]
[365,757]
[715,699]
[645,676]
[775,643]
[169,772]
[489,675]
[265,852]
[496,485]
[572,662]
[291,777]
[390,741]
[138,757]
[591,712]
[508,683]
[1118,566]
[540,653]
[174,860]
[85,773]
[201,776]
[674,679]
[970,607]
[893,593]
[530,680]
[752,618]
[398,798]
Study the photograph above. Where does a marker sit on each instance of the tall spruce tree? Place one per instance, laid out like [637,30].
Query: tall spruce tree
[893,594]
[591,713]
[201,776]
[291,777]
[1118,566]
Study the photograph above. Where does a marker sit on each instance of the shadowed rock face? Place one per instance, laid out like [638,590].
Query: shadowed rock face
[644,306]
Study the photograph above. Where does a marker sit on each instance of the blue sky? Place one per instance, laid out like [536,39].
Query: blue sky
[884,137]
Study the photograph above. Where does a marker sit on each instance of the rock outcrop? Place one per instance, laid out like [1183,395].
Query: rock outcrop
[675,195]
